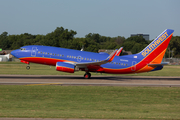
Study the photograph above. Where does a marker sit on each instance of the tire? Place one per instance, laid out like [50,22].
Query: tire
[87,75]
[28,67]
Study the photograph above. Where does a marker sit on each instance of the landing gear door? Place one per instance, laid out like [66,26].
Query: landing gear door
[33,52]
[133,68]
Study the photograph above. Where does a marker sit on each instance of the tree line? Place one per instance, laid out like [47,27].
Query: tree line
[92,42]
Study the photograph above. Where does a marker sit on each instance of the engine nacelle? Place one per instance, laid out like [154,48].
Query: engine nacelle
[65,67]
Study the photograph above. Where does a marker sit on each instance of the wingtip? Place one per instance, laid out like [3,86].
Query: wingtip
[111,56]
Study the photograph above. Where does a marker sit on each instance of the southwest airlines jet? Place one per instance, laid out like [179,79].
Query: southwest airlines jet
[68,60]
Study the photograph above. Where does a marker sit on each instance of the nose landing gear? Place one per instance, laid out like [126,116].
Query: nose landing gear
[27,67]
[87,75]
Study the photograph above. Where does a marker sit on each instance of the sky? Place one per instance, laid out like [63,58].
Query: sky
[106,17]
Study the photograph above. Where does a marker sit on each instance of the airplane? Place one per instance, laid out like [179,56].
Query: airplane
[69,60]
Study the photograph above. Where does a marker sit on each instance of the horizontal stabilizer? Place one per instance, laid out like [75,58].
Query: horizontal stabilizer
[163,63]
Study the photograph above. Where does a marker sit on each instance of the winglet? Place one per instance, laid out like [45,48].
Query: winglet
[111,56]
[119,51]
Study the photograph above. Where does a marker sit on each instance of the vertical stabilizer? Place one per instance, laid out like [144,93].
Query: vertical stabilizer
[155,51]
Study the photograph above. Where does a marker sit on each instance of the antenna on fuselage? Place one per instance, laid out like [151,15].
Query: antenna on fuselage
[82,49]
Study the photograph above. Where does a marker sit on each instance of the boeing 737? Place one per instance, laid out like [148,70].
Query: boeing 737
[68,60]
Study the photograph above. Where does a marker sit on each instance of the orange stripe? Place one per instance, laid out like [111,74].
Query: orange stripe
[158,59]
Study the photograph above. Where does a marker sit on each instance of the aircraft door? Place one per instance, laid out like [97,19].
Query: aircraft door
[133,68]
[33,52]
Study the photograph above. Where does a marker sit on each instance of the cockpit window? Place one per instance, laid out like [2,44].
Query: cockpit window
[22,49]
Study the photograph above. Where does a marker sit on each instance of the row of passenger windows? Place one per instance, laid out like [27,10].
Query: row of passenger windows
[46,53]
[75,57]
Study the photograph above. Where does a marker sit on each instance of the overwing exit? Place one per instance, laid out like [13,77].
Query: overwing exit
[68,60]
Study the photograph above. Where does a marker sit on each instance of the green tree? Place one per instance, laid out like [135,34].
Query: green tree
[174,46]
[135,44]
[4,41]
[95,37]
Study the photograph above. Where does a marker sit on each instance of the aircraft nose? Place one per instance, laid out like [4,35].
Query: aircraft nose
[14,53]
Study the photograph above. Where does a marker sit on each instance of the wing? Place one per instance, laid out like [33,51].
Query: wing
[108,59]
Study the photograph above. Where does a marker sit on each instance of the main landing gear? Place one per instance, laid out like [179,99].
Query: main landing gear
[87,75]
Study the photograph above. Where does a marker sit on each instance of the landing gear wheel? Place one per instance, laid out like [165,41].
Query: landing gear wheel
[28,67]
[87,75]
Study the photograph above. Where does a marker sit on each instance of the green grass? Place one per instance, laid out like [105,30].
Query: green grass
[90,102]
[37,69]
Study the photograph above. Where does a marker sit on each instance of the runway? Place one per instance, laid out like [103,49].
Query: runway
[78,80]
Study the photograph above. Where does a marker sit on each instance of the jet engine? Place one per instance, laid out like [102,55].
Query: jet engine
[65,67]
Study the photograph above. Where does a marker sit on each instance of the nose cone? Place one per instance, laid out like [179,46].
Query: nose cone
[14,53]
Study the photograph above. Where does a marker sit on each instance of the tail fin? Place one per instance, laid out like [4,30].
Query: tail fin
[154,52]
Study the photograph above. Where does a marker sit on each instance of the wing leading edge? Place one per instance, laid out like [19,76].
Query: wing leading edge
[108,59]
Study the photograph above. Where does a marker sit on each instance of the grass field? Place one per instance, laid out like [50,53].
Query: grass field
[37,69]
[90,102]
[95,102]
